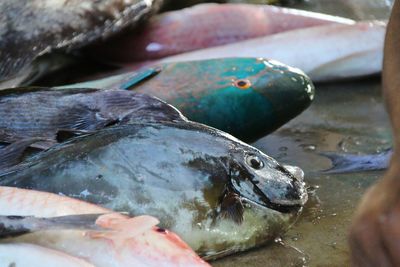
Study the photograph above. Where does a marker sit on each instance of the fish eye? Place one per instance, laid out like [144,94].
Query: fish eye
[242,83]
[254,162]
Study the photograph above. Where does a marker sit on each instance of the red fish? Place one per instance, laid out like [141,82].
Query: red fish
[207,25]
[112,240]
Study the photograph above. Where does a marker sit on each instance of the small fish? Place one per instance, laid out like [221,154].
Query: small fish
[218,193]
[85,231]
[203,26]
[311,50]
[32,28]
[347,163]
[246,97]
[45,113]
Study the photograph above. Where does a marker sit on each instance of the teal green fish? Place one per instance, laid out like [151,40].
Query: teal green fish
[246,97]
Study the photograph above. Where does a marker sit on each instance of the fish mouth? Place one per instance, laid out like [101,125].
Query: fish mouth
[292,202]
[282,208]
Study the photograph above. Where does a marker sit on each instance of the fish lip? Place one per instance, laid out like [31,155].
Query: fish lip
[282,208]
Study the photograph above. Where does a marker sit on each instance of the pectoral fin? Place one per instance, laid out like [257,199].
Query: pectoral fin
[11,226]
[232,207]
[81,117]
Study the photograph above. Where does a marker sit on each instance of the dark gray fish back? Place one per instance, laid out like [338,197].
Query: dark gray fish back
[41,113]
[31,28]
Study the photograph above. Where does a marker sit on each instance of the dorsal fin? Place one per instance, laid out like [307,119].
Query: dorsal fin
[139,77]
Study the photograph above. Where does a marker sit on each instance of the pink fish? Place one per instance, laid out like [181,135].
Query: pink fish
[207,25]
[29,255]
[325,53]
[113,240]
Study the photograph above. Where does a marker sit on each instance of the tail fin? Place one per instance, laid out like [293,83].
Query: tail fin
[347,163]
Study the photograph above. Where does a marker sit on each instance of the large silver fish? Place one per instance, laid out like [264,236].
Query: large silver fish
[218,193]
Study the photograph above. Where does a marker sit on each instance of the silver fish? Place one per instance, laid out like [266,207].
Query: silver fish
[218,193]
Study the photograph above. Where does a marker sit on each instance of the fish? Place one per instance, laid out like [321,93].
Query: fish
[217,193]
[246,97]
[348,163]
[28,255]
[202,26]
[49,114]
[33,28]
[77,231]
[310,50]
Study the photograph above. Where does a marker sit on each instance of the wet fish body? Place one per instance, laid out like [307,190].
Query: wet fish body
[206,25]
[31,28]
[219,194]
[41,113]
[117,240]
[246,97]
[311,50]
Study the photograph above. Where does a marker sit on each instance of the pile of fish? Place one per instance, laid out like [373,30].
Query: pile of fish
[104,172]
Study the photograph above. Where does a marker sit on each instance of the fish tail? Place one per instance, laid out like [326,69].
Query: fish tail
[347,163]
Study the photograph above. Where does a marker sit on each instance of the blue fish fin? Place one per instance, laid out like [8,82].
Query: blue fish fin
[139,77]
[347,163]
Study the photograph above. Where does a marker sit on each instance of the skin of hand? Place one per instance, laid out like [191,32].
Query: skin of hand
[375,232]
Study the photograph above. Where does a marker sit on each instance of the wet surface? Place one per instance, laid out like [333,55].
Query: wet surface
[345,117]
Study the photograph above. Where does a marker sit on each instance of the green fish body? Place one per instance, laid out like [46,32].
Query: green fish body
[246,97]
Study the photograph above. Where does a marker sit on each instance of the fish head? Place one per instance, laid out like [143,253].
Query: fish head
[260,180]
[261,200]
[246,97]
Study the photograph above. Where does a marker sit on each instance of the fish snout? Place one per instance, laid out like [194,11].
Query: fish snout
[288,90]
[297,172]
[284,189]
[274,187]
